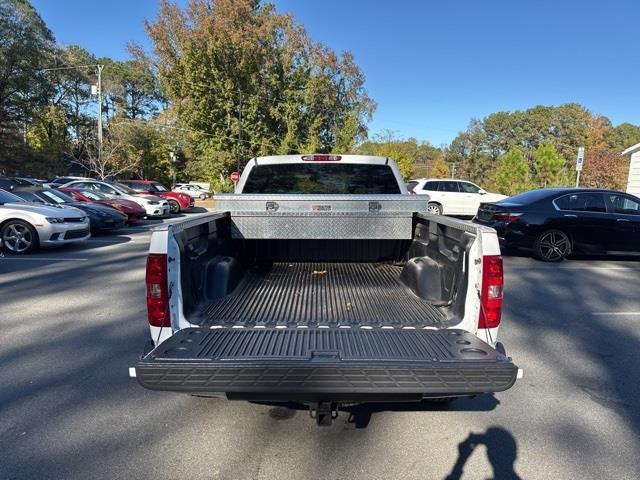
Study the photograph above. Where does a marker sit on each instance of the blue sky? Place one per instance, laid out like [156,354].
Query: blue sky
[433,65]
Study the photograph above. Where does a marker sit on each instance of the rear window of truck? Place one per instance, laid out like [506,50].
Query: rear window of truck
[322,178]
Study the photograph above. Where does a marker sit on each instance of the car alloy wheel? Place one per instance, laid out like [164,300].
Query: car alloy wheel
[174,206]
[18,237]
[203,196]
[434,209]
[552,246]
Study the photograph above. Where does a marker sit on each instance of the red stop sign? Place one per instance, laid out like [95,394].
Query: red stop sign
[235,176]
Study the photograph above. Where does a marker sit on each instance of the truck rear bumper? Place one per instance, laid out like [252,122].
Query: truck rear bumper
[325,364]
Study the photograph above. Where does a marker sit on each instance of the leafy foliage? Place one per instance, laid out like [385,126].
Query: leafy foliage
[440,169]
[549,166]
[544,135]
[414,159]
[512,174]
[604,169]
[24,42]
[217,59]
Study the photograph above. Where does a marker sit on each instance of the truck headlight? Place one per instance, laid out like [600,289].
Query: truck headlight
[54,219]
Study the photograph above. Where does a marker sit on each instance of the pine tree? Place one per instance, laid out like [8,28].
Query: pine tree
[512,175]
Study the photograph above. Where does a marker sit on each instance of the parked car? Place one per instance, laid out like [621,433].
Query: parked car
[101,217]
[153,205]
[58,181]
[26,226]
[452,196]
[132,210]
[7,183]
[337,305]
[552,223]
[194,191]
[32,181]
[178,201]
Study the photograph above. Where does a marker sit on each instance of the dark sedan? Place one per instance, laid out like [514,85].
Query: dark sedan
[101,217]
[553,223]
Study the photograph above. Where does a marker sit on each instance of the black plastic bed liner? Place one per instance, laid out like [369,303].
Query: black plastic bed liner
[321,294]
[313,364]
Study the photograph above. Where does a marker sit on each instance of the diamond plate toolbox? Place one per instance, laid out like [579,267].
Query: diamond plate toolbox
[321,216]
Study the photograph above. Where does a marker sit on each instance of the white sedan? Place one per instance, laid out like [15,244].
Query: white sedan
[26,226]
[452,196]
[194,191]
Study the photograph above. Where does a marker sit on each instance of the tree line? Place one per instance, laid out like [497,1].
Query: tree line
[232,79]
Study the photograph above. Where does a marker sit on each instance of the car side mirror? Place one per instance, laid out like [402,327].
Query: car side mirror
[482,192]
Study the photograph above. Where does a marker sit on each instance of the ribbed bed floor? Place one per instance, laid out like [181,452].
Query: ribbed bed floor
[317,294]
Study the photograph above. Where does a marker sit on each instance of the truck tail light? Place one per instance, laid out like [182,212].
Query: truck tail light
[157,290]
[491,295]
[506,217]
[321,158]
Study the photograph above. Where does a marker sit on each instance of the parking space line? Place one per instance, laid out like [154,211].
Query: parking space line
[44,259]
[114,240]
[622,314]
[508,267]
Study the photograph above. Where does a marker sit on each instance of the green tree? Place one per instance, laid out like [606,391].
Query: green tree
[217,59]
[622,137]
[549,166]
[131,87]
[512,174]
[25,47]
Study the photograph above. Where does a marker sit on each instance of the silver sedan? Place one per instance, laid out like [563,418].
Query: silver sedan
[26,226]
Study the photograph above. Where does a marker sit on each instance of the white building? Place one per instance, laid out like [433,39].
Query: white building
[633,183]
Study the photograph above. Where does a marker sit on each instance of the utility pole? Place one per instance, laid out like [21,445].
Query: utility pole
[99,92]
[239,131]
[174,161]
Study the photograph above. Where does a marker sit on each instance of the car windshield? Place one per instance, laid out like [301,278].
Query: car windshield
[159,187]
[6,197]
[94,195]
[54,196]
[322,178]
[29,197]
[125,189]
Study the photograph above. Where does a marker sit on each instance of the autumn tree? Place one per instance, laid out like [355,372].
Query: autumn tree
[413,158]
[440,169]
[512,174]
[604,169]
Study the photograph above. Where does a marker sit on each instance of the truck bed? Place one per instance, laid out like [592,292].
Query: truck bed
[321,294]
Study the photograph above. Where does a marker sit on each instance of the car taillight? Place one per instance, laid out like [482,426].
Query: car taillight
[491,295]
[157,290]
[321,158]
[506,217]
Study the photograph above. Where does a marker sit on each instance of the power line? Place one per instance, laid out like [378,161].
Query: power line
[53,69]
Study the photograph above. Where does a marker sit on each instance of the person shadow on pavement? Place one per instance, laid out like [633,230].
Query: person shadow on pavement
[502,451]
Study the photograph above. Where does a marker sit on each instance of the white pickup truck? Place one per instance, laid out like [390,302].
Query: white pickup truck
[323,282]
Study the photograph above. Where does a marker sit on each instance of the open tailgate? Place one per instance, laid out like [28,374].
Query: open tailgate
[334,364]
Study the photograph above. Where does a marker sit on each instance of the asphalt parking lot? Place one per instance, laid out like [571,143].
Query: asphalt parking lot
[73,320]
